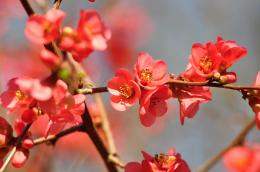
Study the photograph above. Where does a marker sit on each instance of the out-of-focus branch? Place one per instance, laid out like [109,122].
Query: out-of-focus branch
[54,138]
[238,140]
[56,4]
[16,145]
[91,131]
[28,8]
[104,118]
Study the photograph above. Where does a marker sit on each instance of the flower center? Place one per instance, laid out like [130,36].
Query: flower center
[146,75]
[126,91]
[165,160]
[205,64]
[19,95]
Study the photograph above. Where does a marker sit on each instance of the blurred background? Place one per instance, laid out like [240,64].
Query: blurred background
[166,29]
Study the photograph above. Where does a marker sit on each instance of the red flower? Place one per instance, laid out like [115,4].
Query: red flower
[90,35]
[92,29]
[230,52]
[73,42]
[50,59]
[210,58]
[150,73]
[22,92]
[6,132]
[22,152]
[254,100]
[205,59]
[190,97]
[62,107]
[243,159]
[153,104]
[124,89]
[160,163]
[44,28]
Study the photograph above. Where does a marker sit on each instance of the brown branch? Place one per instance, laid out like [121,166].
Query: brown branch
[28,8]
[213,84]
[92,133]
[54,138]
[104,117]
[238,140]
[56,4]
[180,83]
[16,145]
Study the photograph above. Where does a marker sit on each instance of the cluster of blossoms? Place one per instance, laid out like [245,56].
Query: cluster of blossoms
[171,162]
[152,86]
[90,34]
[31,99]
[148,86]
[243,158]
[7,140]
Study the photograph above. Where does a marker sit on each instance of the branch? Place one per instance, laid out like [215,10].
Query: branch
[238,140]
[56,4]
[91,131]
[54,138]
[16,145]
[104,119]
[180,83]
[28,8]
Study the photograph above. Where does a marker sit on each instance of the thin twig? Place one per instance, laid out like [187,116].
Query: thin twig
[104,117]
[56,4]
[238,140]
[16,145]
[54,138]
[180,83]
[92,133]
[116,161]
[27,7]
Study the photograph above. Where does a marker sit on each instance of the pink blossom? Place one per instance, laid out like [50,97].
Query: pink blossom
[150,73]
[92,29]
[50,59]
[205,59]
[171,162]
[125,91]
[243,159]
[22,152]
[73,42]
[62,107]
[254,100]
[22,92]
[44,28]
[230,52]
[6,132]
[153,104]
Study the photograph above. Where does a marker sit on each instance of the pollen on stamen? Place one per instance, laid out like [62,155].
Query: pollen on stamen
[205,64]
[126,91]
[163,159]
[146,75]
[19,95]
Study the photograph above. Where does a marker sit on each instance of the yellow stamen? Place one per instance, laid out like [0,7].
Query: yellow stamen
[146,75]
[126,91]
[19,95]
[205,64]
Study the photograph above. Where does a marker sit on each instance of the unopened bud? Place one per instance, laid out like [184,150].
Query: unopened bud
[172,76]
[216,76]
[229,77]
[67,31]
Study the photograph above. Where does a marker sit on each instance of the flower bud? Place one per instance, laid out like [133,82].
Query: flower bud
[229,77]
